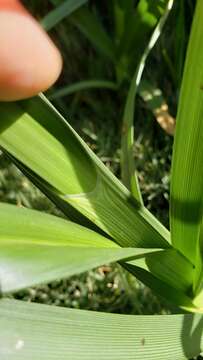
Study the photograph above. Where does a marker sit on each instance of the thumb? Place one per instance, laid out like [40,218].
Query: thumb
[29,61]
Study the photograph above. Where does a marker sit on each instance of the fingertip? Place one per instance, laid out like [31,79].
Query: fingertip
[29,61]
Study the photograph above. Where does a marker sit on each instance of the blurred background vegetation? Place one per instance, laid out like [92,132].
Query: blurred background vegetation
[96,114]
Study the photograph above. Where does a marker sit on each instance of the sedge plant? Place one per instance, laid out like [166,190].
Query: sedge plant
[105,223]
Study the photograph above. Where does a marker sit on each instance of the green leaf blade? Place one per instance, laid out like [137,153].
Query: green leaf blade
[82,85]
[187,176]
[57,160]
[128,169]
[60,12]
[75,334]
[37,248]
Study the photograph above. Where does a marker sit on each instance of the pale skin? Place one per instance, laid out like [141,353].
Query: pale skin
[29,61]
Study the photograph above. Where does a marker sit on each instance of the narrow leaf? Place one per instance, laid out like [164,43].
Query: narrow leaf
[61,12]
[129,176]
[187,170]
[82,85]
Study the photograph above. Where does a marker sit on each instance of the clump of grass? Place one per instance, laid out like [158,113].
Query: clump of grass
[105,288]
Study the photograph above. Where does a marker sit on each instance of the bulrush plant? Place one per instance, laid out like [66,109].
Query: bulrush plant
[105,223]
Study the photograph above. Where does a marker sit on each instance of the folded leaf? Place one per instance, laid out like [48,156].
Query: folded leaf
[35,134]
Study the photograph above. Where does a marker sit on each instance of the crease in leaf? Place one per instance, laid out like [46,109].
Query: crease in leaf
[80,172]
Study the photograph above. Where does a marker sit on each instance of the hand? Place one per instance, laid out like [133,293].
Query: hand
[29,61]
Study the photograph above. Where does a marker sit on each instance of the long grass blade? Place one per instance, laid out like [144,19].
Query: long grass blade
[129,176]
[187,171]
[80,86]
[77,334]
[61,12]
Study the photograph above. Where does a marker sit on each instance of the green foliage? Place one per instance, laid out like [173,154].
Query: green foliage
[136,31]
[37,248]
